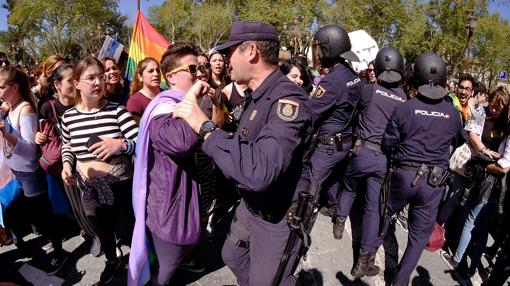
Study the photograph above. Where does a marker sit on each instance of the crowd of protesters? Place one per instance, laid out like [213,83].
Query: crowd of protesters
[66,133]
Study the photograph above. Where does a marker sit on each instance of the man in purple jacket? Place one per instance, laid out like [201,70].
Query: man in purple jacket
[263,156]
[165,189]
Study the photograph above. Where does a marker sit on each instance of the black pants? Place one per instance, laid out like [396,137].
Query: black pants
[37,207]
[74,196]
[110,220]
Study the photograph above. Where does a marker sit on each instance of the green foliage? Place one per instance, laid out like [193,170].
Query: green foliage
[76,27]
[172,19]
[67,27]
[490,55]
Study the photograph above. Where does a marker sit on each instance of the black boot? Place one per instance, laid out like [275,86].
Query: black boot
[338,227]
[365,265]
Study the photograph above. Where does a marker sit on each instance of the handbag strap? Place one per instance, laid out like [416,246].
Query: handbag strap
[52,103]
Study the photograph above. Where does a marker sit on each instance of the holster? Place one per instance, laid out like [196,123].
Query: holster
[420,174]
[436,176]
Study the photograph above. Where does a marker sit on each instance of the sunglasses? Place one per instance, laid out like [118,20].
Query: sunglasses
[4,62]
[192,69]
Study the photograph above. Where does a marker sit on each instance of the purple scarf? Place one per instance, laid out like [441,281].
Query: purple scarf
[139,271]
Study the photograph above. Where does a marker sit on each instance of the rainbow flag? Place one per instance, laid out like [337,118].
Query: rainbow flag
[145,42]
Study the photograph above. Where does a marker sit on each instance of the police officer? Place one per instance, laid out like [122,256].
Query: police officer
[333,105]
[263,156]
[419,134]
[368,165]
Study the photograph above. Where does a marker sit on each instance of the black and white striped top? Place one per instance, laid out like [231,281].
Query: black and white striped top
[113,120]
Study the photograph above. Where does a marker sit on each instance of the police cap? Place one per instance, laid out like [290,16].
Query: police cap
[430,75]
[389,65]
[249,31]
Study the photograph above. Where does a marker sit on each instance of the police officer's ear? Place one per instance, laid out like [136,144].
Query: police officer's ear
[252,52]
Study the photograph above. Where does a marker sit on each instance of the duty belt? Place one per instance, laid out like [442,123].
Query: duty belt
[371,146]
[269,216]
[436,176]
[334,139]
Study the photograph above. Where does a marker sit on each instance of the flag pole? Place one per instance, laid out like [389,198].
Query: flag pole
[137,5]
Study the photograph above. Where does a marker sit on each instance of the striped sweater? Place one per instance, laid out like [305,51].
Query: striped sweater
[113,120]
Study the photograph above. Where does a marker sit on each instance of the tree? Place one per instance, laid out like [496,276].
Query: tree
[490,55]
[211,23]
[172,19]
[295,20]
[67,27]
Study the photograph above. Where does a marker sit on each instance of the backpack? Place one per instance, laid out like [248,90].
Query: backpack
[51,157]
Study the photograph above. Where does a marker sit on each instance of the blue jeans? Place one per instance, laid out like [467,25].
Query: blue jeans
[32,183]
[465,237]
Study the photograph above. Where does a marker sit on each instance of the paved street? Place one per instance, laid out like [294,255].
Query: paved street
[329,263]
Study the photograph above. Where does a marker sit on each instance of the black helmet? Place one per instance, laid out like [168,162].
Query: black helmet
[331,42]
[430,75]
[389,65]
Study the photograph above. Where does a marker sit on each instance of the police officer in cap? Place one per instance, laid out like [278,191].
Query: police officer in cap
[333,106]
[367,167]
[419,134]
[263,156]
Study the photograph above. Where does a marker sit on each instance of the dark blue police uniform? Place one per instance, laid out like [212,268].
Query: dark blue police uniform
[367,167]
[421,132]
[264,158]
[333,105]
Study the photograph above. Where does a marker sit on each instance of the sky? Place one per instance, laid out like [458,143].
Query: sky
[128,8]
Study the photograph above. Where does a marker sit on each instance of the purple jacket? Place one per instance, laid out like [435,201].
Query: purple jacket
[160,168]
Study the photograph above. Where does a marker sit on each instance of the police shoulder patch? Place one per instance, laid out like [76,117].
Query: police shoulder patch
[287,109]
[319,92]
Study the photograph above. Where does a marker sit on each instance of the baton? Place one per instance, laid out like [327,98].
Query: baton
[295,227]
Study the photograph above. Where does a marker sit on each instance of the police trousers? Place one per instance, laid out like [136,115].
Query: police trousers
[325,160]
[423,203]
[254,248]
[365,172]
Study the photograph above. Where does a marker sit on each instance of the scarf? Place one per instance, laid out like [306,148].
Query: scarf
[139,270]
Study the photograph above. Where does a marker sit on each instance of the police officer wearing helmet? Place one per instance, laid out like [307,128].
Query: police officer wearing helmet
[419,134]
[333,107]
[367,167]
[263,156]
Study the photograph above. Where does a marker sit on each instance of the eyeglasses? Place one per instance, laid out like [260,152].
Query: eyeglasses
[370,70]
[91,78]
[192,69]
[461,88]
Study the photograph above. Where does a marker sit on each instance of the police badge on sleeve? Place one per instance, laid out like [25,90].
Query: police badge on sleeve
[319,92]
[287,109]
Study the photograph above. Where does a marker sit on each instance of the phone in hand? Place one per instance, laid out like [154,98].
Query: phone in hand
[93,140]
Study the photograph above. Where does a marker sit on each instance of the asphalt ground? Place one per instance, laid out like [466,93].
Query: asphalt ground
[328,262]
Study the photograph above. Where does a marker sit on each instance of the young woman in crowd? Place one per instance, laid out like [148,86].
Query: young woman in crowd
[98,139]
[21,154]
[297,73]
[218,70]
[43,90]
[113,80]
[62,78]
[145,87]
